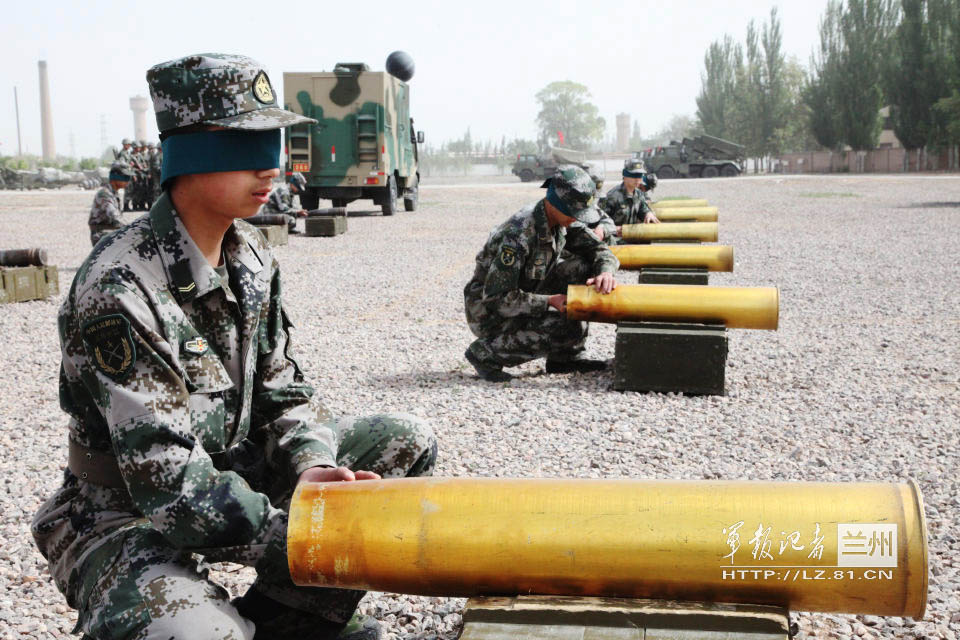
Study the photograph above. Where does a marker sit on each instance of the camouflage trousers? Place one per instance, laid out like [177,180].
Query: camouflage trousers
[156,591]
[98,232]
[520,339]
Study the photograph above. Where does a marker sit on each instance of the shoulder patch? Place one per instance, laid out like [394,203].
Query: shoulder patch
[508,256]
[110,345]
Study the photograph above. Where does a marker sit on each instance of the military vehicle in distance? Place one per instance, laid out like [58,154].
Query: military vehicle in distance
[700,157]
[530,166]
[364,145]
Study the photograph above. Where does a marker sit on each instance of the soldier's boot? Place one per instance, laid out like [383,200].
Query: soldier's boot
[577,365]
[275,620]
[489,372]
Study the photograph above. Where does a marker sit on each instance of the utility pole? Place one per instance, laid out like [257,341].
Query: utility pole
[16,106]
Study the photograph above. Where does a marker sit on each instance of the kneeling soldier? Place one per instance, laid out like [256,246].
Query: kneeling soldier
[190,421]
[516,301]
[105,213]
[281,200]
[625,203]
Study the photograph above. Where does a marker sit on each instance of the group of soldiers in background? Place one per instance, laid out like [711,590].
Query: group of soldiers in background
[145,160]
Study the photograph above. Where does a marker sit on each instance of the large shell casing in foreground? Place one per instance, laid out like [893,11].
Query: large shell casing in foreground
[681,202]
[735,307]
[832,547]
[713,257]
[702,231]
[681,214]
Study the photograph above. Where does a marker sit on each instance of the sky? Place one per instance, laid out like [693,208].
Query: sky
[478,65]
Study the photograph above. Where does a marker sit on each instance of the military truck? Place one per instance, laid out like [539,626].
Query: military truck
[364,145]
[700,157]
[530,166]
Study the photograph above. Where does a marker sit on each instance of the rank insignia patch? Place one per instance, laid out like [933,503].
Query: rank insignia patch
[198,346]
[262,90]
[508,255]
[110,345]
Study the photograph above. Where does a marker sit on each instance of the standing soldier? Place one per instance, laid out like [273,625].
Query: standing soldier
[105,216]
[516,301]
[625,203]
[191,423]
[281,200]
[156,165]
[126,152]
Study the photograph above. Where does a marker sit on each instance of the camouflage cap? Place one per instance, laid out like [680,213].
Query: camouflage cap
[575,190]
[297,180]
[650,180]
[219,89]
[122,168]
[126,141]
[597,178]
[634,168]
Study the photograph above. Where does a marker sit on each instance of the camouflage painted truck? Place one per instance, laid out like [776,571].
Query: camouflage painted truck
[530,166]
[700,157]
[363,146]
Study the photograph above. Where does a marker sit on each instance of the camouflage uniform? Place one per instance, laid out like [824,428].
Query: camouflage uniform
[625,209]
[105,215]
[281,202]
[517,271]
[190,423]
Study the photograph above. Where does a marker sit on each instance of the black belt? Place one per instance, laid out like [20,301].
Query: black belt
[95,467]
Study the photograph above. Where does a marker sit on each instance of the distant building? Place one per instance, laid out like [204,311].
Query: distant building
[888,139]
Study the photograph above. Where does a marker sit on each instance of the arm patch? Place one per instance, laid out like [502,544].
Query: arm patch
[110,345]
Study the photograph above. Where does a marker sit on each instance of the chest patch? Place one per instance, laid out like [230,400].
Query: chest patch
[197,346]
[110,345]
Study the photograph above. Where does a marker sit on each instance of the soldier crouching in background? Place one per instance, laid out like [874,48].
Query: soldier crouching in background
[281,200]
[516,301]
[105,213]
[190,421]
[625,203]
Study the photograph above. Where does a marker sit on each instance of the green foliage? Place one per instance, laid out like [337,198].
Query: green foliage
[819,93]
[948,112]
[89,163]
[865,26]
[679,127]
[718,86]
[565,107]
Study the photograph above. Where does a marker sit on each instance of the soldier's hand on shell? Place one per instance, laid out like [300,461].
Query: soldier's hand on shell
[598,231]
[651,218]
[302,213]
[603,283]
[619,231]
[558,301]
[335,474]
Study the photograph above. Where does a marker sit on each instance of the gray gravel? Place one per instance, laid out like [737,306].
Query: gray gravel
[859,383]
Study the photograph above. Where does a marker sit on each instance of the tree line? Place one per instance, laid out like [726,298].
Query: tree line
[871,53]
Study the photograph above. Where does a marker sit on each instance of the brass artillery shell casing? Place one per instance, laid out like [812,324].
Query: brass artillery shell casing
[702,231]
[832,547]
[713,257]
[688,202]
[735,307]
[680,214]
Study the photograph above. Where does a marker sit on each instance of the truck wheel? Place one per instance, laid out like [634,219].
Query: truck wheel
[411,198]
[709,171]
[666,172]
[389,204]
[729,171]
[309,199]
[526,175]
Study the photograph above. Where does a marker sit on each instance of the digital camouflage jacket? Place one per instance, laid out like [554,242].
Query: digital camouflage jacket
[626,209]
[105,210]
[175,374]
[279,201]
[516,259]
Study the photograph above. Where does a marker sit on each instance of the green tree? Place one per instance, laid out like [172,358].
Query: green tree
[914,78]
[820,92]
[773,97]
[636,138]
[565,107]
[679,126]
[718,86]
[865,26]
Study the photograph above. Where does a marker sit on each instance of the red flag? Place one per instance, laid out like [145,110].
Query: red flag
[559,137]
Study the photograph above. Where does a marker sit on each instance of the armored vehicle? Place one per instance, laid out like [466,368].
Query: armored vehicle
[364,145]
[700,157]
[529,166]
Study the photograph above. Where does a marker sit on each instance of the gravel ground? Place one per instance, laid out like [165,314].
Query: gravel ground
[859,383]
